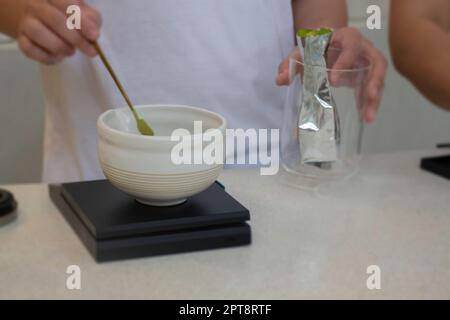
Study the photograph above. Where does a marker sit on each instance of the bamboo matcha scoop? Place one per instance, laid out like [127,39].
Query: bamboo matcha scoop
[142,125]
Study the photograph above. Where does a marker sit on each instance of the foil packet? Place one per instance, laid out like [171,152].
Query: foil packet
[318,123]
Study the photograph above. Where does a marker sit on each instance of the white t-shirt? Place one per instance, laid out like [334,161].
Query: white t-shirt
[219,55]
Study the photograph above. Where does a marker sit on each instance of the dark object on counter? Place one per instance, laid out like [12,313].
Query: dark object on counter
[437,165]
[113,226]
[8,206]
[443,145]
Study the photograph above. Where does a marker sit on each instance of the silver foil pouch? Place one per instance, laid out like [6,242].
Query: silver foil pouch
[318,123]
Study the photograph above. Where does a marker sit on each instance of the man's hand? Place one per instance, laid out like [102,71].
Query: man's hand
[352,44]
[42,33]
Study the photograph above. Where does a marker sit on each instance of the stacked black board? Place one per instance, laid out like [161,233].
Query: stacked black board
[112,225]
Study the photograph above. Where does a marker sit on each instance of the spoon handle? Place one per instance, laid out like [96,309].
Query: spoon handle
[113,75]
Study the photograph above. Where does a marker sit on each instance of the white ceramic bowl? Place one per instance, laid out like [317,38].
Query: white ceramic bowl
[142,165]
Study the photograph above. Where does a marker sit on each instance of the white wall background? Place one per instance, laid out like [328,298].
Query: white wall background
[21,117]
[405,121]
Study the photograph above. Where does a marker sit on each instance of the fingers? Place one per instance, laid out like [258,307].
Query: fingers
[38,33]
[54,19]
[90,18]
[44,33]
[283,76]
[375,85]
[353,45]
[33,51]
[283,73]
[349,41]
[371,107]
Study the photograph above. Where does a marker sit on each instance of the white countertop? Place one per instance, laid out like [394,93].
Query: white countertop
[306,244]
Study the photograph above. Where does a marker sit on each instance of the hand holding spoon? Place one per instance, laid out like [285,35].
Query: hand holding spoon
[142,125]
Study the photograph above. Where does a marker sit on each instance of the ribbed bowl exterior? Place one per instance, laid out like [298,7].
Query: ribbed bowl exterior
[156,187]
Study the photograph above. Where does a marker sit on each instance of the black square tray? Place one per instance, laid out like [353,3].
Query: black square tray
[112,225]
[437,165]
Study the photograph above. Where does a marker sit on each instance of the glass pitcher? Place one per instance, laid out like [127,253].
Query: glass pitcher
[349,95]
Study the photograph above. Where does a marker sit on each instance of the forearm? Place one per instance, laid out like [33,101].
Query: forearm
[10,13]
[312,14]
[420,51]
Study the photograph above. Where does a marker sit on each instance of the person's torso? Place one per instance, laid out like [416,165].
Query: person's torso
[219,55]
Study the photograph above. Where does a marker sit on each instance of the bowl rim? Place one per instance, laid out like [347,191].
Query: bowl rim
[102,126]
